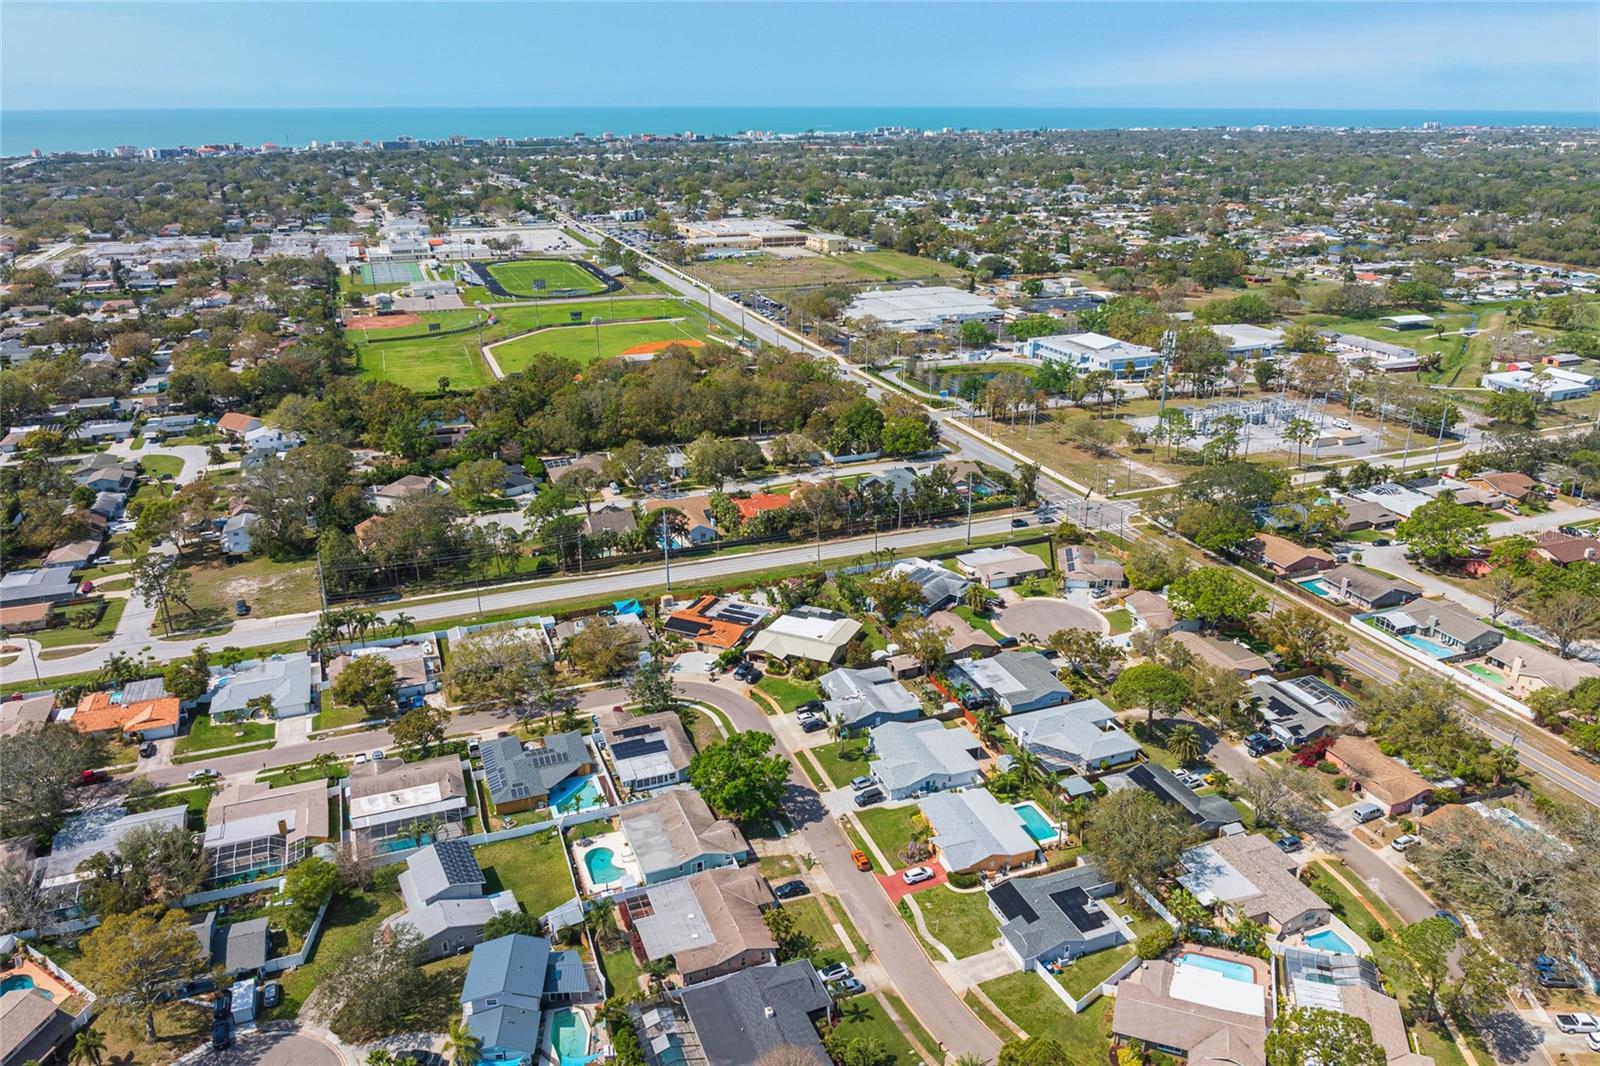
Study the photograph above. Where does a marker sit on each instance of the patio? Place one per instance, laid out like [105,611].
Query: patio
[605,863]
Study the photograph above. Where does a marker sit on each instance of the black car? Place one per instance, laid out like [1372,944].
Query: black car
[1019,523]
[221,1036]
[271,995]
[1258,744]
[809,707]
[868,796]
[147,750]
[241,607]
[813,724]
[791,889]
[1452,919]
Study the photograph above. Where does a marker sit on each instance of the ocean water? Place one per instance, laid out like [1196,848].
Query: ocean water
[83,131]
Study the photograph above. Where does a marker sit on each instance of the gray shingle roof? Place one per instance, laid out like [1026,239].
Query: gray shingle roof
[513,773]
[1048,915]
[854,695]
[1084,733]
[908,752]
[972,827]
[730,1015]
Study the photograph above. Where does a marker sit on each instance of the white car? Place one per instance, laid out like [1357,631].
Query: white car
[1401,843]
[1577,1023]
[201,775]
[359,760]
[917,874]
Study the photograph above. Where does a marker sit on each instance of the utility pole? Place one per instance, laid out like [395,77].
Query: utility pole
[1439,445]
[969,508]
[1169,352]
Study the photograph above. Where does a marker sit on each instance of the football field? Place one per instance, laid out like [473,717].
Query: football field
[544,277]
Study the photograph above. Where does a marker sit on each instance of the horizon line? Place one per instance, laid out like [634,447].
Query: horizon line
[804,107]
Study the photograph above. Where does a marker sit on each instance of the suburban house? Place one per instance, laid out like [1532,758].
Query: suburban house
[999,568]
[1082,568]
[288,680]
[19,713]
[917,757]
[237,531]
[1055,916]
[416,667]
[940,587]
[965,640]
[74,554]
[647,750]
[1564,549]
[674,834]
[106,473]
[716,623]
[1440,628]
[253,829]
[699,524]
[610,521]
[1074,737]
[709,923]
[973,831]
[442,886]
[509,982]
[1152,610]
[761,502]
[1286,558]
[1015,681]
[1362,514]
[561,467]
[95,832]
[808,632]
[1527,668]
[236,948]
[32,1027]
[388,497]
[237,424]
[1365,589]
[866,699]
[520,778]
[1223,654]
[1389,783]
[27,618]
[1208,813]
[1248,876]
[1208,1017]
[1350,984]
[46,584]
[115,712]
[1510,484]
[734,1020]
[393,800]
[1287,718]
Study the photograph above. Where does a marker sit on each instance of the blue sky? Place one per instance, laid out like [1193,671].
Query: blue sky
[1503,56]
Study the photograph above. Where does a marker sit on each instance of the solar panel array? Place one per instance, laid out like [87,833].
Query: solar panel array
[501,777]
[459,864]
[1079,909]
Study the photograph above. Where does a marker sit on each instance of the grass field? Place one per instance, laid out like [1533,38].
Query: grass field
[155,465]
[962,921]
[419,364]
[543,277]
[889,827]
[789,694]
[584,344]
[269,587]
[1037,1011]
[534,868]
[842,760]
[206,735]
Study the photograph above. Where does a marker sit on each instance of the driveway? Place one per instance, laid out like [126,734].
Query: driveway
[278,1047]
[895,887]
[1043,615]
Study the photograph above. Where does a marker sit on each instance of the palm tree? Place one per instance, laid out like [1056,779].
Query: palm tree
[1030,769]
[403,624]
[987,725]
[1183,743]
[1504,761]
[461,1045]
[324,763]
[977,598]
[87,1047]
[970,1059]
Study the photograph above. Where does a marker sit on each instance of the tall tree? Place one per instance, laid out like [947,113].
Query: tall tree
[739,778]
[134,961]
[1327,1037]
[1135,838]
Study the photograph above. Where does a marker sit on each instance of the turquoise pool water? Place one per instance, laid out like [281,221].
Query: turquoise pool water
[577,794]
[1328,940]
[1438,651]
[569,1036]
[1034,821]
[602,871]
[1233,971]
[18,981]
[1315,587]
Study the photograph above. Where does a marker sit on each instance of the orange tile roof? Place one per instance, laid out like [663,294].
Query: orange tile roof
[237,422]
[97,714]
[715,632]
[754,504]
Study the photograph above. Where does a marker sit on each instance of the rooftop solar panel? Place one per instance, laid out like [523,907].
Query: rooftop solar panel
[1076,905]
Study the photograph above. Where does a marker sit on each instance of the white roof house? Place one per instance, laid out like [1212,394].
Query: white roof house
[999,568]
[1076,736]
[915,757]
[806,633]
[288,679]
[972,830]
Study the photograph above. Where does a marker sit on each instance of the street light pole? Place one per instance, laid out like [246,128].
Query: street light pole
[666,554]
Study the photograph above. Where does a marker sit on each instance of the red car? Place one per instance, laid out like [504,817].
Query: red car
[89,777]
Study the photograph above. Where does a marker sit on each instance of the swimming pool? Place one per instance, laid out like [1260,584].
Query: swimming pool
[1484,672]
[1315,587]
[577,794]
[1438,651]
[23,982]
[569,1036]
[1233,971]
[1328,940]
[1037,825]
[602,871]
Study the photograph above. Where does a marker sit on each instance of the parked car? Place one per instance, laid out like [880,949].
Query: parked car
[868,796]
[271,995]
[201,775]
[473,747]
[810,707]
[1288,843]
[862,860]
[377,755]
[1008,642]
[850,986]
[1452,919]
[1258,744]
[241,607]
[360,759]
[1577,1023]
[90,777]
[221,1036]
[1401,843]
[1367,812]
[1382,542]
[837,971]
[812,724]
[792,889]
[1019,523]
[1557,979]
[917,874]
[859,783]
[742,671]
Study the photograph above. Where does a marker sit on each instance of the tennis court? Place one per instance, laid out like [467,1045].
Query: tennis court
[390,273]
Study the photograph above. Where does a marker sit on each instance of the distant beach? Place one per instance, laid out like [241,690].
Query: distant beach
[87,131]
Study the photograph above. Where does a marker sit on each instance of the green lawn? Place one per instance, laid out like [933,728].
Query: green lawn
[269,587]
[534,868]
[991,1021]
[810,919]
[961,920]
[1120,619]
[789,694]
[66,636]
[586,344]
[621,969]
[300,773]
[863,1018]
[544,277]
[351,919]
[976,621]
[843,759]
[336,716]
[156,464]
[1084,974]
[206,735]
[778,867]
[419,364]
[889,827]
[1038,1012]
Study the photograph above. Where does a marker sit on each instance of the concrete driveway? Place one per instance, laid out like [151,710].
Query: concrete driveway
[1043,615]
[279,1047]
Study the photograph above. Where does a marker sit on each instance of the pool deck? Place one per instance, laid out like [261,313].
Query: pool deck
[43,980]
[1259,967]
[621,856]
[548,1055]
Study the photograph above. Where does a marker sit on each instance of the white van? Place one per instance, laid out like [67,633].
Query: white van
[1367,812]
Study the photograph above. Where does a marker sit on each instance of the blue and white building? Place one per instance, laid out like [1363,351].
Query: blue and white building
[1095,351]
